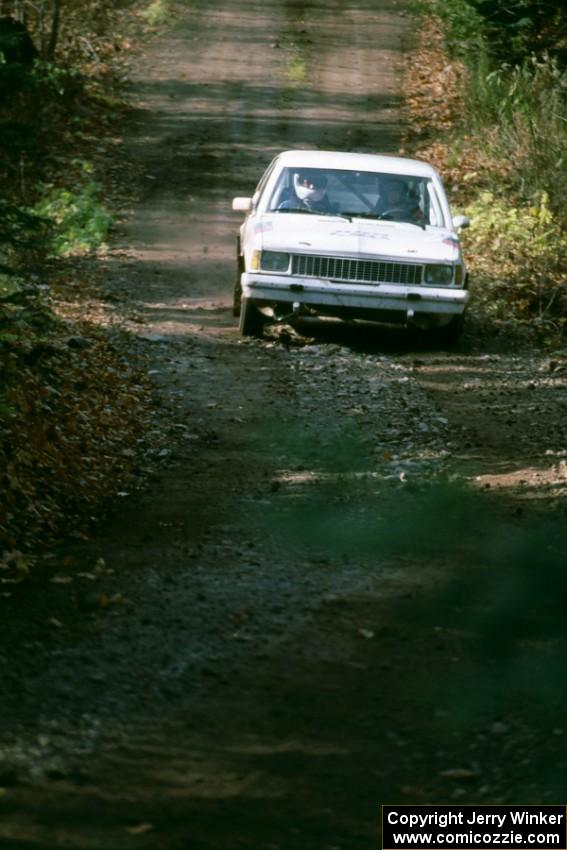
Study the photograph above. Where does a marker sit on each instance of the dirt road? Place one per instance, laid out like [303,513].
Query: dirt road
[326,599]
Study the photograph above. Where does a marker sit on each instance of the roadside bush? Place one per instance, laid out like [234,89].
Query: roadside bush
[79,221]
[512,29]
[58,82]
[517,256]
[503,155]
[517,112]
[522,115]
[157,13]
[462,24]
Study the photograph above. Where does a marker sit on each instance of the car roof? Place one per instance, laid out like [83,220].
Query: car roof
[356,162]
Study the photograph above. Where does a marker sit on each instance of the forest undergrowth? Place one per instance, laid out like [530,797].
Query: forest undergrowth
[495,126]
[76,404]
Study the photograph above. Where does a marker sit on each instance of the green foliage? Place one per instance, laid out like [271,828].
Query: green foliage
[9,285]
[6,410]
[157,13]
[464,26]
[517,245]
[517,257]
[517,28]
[79,221]
[297,70]
[512,29]
[56,80]
[522,115]
[519,111]
[486,89]
[514,132]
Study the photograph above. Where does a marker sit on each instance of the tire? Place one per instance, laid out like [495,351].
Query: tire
[451,333]
[237,294]
[251,322]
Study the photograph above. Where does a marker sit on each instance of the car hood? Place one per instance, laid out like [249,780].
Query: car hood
[335,236]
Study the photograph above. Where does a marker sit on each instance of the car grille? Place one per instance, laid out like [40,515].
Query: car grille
[360,271]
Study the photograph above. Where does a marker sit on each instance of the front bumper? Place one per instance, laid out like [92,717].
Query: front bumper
[269,289]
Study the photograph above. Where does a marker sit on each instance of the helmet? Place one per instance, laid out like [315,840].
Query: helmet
[309,186]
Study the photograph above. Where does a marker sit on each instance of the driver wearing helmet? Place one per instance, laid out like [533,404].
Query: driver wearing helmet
[395,203]
[310,188]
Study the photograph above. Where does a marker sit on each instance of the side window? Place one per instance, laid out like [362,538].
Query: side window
[281,191]
[422,200]
[263,180]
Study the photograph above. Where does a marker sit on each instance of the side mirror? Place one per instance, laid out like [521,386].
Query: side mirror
[460,222]
[242,204]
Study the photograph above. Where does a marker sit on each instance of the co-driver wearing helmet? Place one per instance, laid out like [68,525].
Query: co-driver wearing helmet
[310,190]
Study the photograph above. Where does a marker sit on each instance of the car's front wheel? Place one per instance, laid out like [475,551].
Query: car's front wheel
[237,295]
[450,334]
[251,321]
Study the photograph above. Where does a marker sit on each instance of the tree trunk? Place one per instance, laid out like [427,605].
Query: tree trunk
[54,29]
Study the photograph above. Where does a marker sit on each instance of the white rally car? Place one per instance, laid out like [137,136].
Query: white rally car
[350,235]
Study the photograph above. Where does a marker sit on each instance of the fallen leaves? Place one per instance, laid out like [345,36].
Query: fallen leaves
[75,408]
[140,829]
[55,623]
[105,600]
[15,567]
[433,83]
[89,600]
[434,87]
[462,774]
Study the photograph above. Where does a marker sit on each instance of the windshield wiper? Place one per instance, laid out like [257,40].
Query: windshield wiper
[351,215]
[305,211]
[346,216]
[378,217]
[419,224]
[299,211]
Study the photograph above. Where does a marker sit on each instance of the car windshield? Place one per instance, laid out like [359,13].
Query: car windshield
[364,194]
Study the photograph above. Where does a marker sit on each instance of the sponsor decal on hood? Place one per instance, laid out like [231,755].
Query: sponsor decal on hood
[334,236]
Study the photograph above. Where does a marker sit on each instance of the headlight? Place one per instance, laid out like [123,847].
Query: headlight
[274,261]
[439,275]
